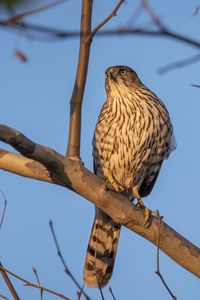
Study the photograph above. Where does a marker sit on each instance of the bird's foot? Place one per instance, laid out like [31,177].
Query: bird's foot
[147,212]
[116,186]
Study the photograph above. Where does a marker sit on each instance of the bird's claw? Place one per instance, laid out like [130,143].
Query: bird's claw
[117,187]
[147,212]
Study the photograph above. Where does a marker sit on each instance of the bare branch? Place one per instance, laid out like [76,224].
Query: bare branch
[111,291]
[195,85]
[21,56]
[134,16]
[23,166]
[56,34]
[8,282]
[196,11]
[73,149]
[28,283]
[67,270]
[4,209]
[101,293]
[32,11]
[158,261]
[51,159]
[111,15]
[39,284]
[79,294]
[72,174]
[3,297]
[179,64]
[152,14]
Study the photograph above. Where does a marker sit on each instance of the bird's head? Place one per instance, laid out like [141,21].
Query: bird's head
[120,78]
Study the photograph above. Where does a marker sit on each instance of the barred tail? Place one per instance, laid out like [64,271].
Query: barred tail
[101,250]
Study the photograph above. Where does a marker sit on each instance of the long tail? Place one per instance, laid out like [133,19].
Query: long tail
[101,250]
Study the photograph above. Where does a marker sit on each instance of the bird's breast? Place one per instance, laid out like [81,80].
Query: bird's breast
[127,138]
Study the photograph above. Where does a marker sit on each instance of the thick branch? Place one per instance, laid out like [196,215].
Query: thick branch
[79,86]
[73,174]
[23,166]
[52,160]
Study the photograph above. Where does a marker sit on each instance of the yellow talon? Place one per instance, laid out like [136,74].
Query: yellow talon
[147,215]
[117,187]
[148,212]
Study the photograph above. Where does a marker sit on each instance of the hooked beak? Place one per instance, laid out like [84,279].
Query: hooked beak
[112,76]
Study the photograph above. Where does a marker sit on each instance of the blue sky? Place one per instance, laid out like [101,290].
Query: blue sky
[35,100]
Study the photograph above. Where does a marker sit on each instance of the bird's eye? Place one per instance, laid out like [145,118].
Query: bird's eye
[122,72]
[106,75]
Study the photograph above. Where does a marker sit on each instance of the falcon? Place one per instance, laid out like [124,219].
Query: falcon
[133,136]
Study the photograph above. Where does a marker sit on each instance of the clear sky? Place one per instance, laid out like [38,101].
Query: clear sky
[35,100]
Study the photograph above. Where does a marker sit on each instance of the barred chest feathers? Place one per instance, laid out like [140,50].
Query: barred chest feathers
[132,136]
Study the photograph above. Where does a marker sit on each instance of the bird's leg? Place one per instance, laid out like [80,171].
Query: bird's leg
[117,187]
[141,204]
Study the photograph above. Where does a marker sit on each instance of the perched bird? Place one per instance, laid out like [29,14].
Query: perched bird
[133,136]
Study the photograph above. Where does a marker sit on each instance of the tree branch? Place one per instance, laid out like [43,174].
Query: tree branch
[8,283]
[52,160]
[28,283]
[179,64]
[152,14]
[23,166]
[4,209]
[66,268]
[73,149]
[3,297]
[56,34]
[75,176]
[110,16]
[20,16]
[38,282]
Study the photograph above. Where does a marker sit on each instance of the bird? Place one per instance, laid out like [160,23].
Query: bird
[132,138]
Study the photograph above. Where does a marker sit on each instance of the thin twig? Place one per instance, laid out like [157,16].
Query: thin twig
[4,209]
[134,16]
[110,16]
[39,284]
[152,14]
[111,291]
[28,283]
[66,269]
[4,297]
[101,293]
[21,56]
[97,278]
[196,11]
[80,293]
[8,282]
[195,85]
[179,64]
[158,260]
[33,11]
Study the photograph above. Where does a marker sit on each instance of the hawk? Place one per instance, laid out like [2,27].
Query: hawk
[133,136]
